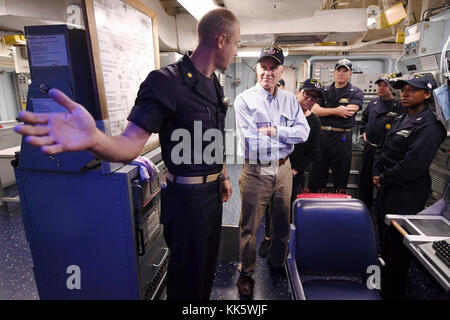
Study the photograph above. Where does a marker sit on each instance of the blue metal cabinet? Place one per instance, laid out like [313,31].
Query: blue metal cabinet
[84,220]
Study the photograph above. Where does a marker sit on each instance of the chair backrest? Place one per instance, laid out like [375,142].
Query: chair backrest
[334,237]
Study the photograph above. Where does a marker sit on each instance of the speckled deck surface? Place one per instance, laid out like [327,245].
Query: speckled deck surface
[17,279]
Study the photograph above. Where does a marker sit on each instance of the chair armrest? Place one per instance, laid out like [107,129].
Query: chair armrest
[294,283]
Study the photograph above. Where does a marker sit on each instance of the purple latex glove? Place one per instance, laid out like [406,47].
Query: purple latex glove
[147,170]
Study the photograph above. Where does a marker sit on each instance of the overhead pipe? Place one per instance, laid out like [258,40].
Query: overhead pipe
[357,45]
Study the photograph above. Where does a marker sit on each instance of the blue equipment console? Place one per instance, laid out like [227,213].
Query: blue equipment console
[59,59]
[92,235]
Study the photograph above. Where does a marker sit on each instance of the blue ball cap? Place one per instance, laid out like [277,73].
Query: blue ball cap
[383,78]
[273,52]
[417,80]
[312,85]
[344,63]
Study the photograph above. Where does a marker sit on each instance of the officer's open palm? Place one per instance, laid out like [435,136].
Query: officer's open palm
[59,132]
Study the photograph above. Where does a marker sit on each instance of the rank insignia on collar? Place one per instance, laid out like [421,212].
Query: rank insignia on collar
[404,133]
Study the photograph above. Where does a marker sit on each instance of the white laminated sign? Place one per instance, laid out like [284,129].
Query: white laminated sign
[48,50]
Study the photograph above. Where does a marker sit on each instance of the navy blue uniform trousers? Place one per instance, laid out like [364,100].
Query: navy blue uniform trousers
[394,276]
[192,218]
[366,185]
[335,154]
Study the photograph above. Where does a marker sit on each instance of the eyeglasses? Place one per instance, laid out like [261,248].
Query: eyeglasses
[307,95]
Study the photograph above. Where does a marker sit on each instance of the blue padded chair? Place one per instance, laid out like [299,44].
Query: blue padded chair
[332,243]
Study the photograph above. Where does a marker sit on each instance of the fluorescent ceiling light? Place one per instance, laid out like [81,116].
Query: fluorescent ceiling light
[248,54]
[255,54]
[197,8]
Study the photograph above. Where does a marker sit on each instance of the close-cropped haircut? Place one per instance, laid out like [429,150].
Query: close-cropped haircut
[214,23]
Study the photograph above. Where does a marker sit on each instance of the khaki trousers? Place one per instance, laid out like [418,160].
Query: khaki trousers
[260,186]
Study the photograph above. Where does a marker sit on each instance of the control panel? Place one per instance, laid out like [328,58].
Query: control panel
[153,254]
[23,80]
[423,38]
[323,71]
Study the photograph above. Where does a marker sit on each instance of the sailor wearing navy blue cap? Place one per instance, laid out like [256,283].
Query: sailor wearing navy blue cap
[304,154]
[337,116]
[401,173]
[377,119]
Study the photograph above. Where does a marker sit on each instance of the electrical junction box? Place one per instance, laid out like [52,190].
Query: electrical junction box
[423,39]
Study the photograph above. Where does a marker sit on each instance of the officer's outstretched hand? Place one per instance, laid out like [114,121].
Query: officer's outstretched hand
[59,132]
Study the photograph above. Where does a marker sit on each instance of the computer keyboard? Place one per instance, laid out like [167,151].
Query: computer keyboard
[434,252]
[442,251]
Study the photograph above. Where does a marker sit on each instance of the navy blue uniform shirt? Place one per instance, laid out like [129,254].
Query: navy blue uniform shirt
[334,98]
[378,116]
[173,98]
[308,151]
[408,149]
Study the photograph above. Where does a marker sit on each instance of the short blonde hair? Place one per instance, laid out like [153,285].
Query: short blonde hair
[214,23]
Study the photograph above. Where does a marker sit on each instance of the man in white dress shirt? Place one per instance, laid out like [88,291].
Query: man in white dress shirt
[269,122]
